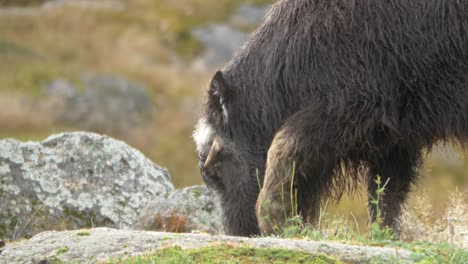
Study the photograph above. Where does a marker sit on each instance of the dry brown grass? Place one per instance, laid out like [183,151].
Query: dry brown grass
[421,222]
[19,113]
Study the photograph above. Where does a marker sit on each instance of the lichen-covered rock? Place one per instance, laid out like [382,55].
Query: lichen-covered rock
[105,245]
[74,180]
[186,210]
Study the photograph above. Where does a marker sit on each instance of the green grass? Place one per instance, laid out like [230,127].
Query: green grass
[83,233]
[436,253]
[228,254]
[62,250]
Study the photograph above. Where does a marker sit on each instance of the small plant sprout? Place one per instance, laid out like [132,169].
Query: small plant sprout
[377,232]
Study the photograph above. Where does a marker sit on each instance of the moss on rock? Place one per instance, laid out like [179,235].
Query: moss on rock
[226,253]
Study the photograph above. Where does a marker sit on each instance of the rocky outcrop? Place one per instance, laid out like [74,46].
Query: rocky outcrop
[101,244]
[221,41]
[107,104]
[186,210]
[74,180]
[248,15]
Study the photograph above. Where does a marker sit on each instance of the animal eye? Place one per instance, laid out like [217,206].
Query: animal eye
[224,154]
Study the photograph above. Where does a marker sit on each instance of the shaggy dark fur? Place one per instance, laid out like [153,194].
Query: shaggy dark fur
[345,90]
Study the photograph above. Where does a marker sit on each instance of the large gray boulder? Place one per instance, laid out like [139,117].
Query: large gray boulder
[74,180]
[186,210]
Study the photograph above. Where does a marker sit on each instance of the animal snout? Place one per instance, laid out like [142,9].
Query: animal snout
[210,176]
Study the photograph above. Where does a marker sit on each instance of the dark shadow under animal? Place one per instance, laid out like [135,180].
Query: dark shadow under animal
[336,92]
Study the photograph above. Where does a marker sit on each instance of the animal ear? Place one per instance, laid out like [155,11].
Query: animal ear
[219,93]
[219,86]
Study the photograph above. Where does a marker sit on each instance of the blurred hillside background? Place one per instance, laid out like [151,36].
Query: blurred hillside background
[137,70]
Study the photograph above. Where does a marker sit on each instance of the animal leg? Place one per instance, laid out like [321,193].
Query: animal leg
[299,169]
[398,170]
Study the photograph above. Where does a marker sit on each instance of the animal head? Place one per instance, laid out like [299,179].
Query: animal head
[221,156]
[225,162]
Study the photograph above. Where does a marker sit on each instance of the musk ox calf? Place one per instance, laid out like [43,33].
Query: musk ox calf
[329,93]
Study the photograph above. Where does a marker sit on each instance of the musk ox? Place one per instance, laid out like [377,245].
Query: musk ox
[330,93]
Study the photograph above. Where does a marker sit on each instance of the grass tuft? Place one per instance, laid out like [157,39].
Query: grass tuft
[83,233]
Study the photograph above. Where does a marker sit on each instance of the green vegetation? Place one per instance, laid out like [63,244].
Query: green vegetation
[62,250]
[436,253]
[196,192]
[377,232]
[83,233]
[228,254]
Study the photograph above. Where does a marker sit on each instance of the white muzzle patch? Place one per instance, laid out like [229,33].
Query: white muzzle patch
[203,135]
